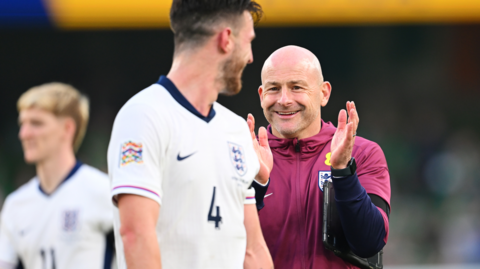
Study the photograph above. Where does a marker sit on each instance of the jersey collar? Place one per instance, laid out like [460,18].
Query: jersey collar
[178,96]
[72,172]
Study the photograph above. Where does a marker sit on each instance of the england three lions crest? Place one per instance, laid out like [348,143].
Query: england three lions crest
[70,220]
[322,177]
[237,157]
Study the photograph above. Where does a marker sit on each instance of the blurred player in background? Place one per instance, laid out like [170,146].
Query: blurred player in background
[62,218]
[180,163]
[307,151]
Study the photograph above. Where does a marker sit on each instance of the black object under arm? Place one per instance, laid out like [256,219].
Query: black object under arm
[378,201]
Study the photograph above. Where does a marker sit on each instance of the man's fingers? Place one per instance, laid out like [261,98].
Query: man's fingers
[343,141]
[253,119]
[349,111]
[355,119]
[251,126]
[350,132]
[342,119]
[352,114]
[250,122]
[356,115]
[263,137]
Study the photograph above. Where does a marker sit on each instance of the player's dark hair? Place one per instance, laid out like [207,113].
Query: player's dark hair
[193,21]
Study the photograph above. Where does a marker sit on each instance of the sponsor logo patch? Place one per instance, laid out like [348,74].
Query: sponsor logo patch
[322,176]
[237,157]
[131,152]
[180,158]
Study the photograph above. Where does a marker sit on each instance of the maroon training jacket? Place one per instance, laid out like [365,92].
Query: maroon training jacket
[291,220]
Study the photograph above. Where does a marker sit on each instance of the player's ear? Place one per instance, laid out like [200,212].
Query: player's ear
[326,89]
[70,127]
[260,92]
[224,40]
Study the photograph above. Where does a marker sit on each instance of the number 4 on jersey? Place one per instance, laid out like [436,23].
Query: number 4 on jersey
[217,219]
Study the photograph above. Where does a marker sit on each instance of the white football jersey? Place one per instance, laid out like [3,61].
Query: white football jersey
[66,229]
[199,169]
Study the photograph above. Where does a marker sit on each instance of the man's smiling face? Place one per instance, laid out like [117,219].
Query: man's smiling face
[292,93]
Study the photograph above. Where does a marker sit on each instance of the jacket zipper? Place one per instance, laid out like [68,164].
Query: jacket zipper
[299,205]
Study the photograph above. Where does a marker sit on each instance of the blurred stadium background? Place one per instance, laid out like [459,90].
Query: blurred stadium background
[411,66]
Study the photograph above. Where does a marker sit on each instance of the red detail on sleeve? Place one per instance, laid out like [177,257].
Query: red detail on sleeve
[385,221]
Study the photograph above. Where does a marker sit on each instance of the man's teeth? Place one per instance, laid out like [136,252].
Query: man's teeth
[286,113]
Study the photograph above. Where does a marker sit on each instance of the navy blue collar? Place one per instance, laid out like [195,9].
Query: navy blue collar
[178,96]
[72,172]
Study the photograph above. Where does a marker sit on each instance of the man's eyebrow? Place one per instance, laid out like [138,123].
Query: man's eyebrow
[297,82]
[272,83]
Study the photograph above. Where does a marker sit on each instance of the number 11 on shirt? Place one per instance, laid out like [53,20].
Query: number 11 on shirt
[217,219]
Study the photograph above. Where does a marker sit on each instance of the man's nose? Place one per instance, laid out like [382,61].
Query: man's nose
[285,98]
[250,58]
[24,132]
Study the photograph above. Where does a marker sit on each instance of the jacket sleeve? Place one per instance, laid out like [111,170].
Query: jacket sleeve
[364,223]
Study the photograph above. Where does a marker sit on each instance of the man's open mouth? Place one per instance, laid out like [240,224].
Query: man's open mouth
[286,113]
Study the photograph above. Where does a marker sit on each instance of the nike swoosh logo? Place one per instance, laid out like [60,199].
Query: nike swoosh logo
[179,158]
[268,195]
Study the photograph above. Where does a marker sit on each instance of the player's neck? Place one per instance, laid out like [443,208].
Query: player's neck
[53,170]
[195,77]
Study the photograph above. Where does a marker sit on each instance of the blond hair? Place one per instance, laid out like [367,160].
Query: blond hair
[62,100]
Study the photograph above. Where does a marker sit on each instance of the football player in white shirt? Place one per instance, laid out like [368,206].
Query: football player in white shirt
[62,218]
[181,164]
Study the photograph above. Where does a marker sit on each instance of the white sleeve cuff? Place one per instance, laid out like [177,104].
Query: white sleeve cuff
[263,185]
[250,201]
[129,189]
[250,197]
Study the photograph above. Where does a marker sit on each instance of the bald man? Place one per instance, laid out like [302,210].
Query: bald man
[307,151]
